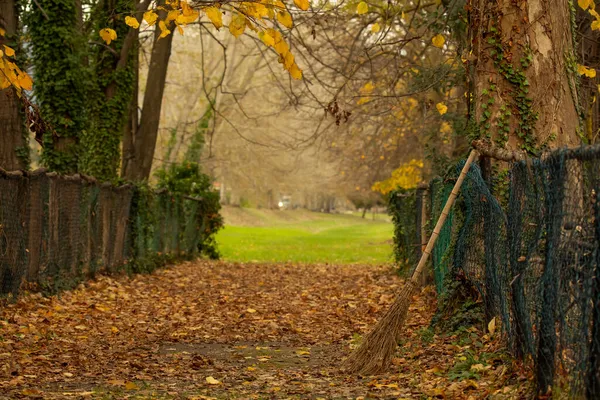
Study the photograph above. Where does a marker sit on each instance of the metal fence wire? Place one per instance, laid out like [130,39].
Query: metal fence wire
[56,230]
[535,261]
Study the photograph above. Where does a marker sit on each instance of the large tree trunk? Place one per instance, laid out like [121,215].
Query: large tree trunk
[140,165]
[524,92]
[11,124]
[525,97]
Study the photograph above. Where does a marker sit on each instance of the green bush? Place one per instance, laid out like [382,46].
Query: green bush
[187,179]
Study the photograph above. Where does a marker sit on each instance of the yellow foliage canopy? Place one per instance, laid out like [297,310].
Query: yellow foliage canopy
[407,176]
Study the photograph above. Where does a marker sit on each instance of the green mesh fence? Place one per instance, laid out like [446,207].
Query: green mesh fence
[439,191]
[535,261]
[58,230]
[404,209]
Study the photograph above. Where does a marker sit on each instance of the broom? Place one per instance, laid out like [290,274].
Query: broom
[377,348]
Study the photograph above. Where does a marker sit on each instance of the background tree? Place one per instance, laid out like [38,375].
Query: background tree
[13,143]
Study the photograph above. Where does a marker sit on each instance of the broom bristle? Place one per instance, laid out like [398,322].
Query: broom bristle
[374,354]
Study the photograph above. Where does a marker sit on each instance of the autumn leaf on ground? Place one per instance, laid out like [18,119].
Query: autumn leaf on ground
[131,386]
[492,326]
[212,381]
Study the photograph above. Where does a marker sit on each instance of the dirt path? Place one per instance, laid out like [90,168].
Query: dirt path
[217,330]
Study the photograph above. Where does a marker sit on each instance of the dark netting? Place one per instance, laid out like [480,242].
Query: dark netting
[439,190]
[535,262]
[56,231]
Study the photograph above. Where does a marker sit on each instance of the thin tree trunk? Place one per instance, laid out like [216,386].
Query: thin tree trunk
[11,123]
[132,124]
[139,167]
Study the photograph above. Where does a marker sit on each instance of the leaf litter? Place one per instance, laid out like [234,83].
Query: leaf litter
[205,329]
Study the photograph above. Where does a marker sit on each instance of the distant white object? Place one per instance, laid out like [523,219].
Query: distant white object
[280,204]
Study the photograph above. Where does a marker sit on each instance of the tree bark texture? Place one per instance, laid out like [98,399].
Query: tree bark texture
[522,69]
[11,123]
[139,166]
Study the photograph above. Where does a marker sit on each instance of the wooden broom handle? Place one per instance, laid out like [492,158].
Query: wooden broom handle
[440,222]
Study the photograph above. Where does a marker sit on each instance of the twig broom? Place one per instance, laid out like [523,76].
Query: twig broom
[377,348]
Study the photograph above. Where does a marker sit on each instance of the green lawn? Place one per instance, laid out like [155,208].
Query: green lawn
[303,236]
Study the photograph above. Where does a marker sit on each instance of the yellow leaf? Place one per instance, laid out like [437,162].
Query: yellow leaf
[180,30]
[362,8]
[266,38]
[583,70]
[164,31]
[288,60]
[296,72]
[25,81]
[114,329]
[31,392]
[212,381]
[285,19]
[215,16]
[131,386]
[8,51]
[172,15]
[438,40]
[251,310]
[237,25]
[477,367]
[492,326]
[150,17]
[375,28]
[442,108]
[108,35]
[187,17]
[302,4]
[132,22]
[585,4]
[596,25]
[303,352]
[281,47]
[2,32]
[367,88]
